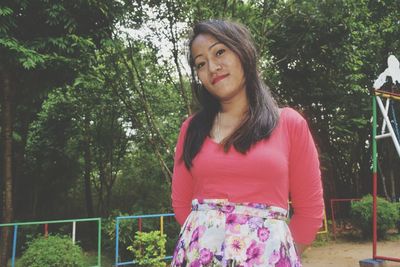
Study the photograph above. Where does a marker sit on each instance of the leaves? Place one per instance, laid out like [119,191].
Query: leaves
[149,248]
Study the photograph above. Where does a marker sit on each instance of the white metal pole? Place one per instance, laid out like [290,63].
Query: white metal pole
[386,112]
[389,125]
[73,231]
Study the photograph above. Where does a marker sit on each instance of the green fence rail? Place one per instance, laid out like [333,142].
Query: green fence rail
[73,221]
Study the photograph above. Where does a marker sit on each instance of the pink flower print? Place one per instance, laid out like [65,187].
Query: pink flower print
[231,223]
[297,263]
[206,256]
[276,214]
[189,227]
[254,254]
[228,208]
[235,248]
[284,260]
[263,233]
[236,219]
[197,233]
[179,254]
[274,258]
[237,244]
[242,219]
[255,223]
[231,219]
[257,205]
[195,263]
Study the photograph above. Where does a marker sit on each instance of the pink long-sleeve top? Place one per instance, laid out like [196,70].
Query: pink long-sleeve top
[284,164]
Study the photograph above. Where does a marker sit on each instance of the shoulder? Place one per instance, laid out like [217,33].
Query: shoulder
[291,116]
[186,122]
[293,121]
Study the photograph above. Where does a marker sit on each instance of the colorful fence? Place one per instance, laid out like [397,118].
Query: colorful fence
[333,202]
[45,223]
[139,218]
[324,230]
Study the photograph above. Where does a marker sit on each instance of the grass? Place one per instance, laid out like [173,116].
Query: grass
[90,260]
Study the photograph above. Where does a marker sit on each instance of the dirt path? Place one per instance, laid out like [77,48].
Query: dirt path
[345,254]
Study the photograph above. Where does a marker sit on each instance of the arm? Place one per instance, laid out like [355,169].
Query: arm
[304,184]
[182,181]
[300,248]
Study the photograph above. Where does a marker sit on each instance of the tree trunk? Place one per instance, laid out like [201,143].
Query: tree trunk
[6,137]
[88,169]
[102,177]
[392,185]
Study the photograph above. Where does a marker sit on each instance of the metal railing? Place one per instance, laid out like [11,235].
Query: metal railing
[73,221]
[139,218]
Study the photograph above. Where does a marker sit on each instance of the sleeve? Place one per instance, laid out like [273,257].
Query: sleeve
[182,182]
[304,183]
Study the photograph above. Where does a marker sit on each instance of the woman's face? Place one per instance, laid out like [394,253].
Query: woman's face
[218,68]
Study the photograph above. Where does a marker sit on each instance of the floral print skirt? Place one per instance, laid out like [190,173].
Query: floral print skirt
[220,233]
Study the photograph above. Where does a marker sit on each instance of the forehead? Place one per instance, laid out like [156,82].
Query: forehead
[202,42]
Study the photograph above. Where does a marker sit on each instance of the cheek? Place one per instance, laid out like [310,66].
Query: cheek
[202,77]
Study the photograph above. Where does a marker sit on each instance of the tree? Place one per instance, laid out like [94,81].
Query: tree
[328,54]
[54,47]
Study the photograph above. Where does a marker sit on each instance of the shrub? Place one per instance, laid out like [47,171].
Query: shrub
[361,214]
[398,219]
[55,251]
[125,236]
[149,249]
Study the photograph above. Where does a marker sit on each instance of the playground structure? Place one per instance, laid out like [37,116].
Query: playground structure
[46,223]
[390,129]
[138,218]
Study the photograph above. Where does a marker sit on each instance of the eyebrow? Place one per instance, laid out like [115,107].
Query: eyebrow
[211,46]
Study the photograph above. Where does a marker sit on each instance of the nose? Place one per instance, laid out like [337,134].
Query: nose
[214,66]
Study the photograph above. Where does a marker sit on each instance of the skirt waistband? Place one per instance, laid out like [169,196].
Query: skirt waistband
[251,209]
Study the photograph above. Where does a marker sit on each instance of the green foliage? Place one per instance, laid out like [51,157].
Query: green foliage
[128,94]
[126,229]
[27,57]
[149,249]
[55,251]
[398,220]
[387,216]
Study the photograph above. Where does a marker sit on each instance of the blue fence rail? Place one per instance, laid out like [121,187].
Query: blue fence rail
[74,221]
[136,217]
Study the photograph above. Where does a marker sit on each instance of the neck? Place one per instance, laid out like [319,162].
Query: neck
[235,107]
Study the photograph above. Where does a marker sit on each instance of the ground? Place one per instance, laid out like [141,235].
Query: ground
[348,254]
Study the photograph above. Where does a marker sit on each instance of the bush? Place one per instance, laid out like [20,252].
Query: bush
[125,237]
[149,249]
[398,220]
[54,251]
[387,216]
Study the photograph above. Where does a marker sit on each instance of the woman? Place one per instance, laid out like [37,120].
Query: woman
[237,161]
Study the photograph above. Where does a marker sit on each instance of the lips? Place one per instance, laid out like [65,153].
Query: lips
[219,78]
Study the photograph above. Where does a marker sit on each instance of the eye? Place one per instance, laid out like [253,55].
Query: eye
[199,65]
[220,52]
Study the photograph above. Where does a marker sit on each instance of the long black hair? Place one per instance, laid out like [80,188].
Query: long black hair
[263,113]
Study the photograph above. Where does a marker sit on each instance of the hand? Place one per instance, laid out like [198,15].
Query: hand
[300,248]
